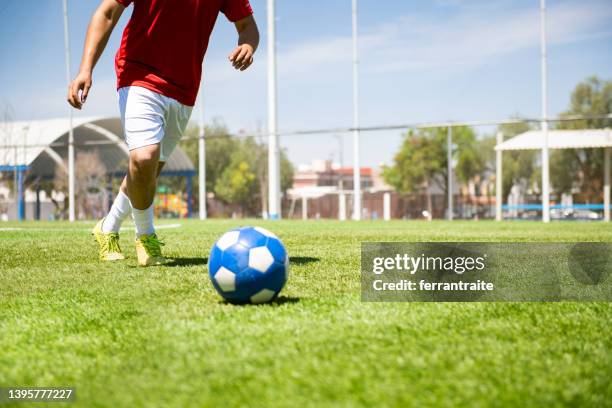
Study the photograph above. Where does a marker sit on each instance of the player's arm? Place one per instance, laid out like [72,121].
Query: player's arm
[100,28]
[248,40]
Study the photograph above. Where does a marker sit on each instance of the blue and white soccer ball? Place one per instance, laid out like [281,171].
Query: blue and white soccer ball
[248,265]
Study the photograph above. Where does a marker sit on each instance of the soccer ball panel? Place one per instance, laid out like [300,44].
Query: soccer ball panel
[263,296]
[260,259]
[228,239]
[214,261]
[251,238]
[277,250]
[236,258]
[265,232]
[226,280]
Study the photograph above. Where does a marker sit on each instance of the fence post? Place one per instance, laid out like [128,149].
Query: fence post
[342,207]
[607,151]
[189,190]
[304,208]
[20,196]
[498,179]
[387,206]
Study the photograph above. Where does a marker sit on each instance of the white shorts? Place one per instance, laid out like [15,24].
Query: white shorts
[149,118]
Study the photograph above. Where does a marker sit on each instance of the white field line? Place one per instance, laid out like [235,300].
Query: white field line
[159,227]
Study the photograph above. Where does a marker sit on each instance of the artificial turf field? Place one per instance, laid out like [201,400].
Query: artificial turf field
[131,337]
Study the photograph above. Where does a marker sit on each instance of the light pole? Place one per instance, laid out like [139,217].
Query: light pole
[202,160]
[71,195]
[449,158]
[274,205]
[356,162]
[544,122]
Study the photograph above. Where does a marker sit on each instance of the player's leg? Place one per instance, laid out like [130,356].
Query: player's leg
[118,212]
[121,208]
[143,115]
[108,243]
[144,124]
[141,186]
[106,231]
[148,247]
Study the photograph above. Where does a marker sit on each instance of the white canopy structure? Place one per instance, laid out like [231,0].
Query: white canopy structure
[558,139]
[40,146]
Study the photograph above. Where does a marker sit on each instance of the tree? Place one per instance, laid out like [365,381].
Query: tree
[518,166]
[90,183]
[219,148]
[230,163]
[583,168]
[259,162]
[485,153]
[255,155]
[237,182]
[422,160]
[471,161]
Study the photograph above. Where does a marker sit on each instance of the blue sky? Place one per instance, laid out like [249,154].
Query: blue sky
[420,61]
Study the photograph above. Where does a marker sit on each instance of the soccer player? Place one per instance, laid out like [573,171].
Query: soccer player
[159,68]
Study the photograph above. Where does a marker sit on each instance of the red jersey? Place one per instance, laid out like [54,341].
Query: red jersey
[164,43]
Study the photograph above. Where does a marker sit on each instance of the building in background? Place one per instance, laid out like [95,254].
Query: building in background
[324,173]
[33,169]
[320,187]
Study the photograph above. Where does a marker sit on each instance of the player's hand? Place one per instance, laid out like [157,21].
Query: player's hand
[79,89]
[242,57]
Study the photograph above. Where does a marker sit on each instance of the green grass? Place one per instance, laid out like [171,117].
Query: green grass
[131,337]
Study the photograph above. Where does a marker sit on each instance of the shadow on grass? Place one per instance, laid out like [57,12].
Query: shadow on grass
[187,262]
[281,300]
[180,262]
[295,260]
[302,260]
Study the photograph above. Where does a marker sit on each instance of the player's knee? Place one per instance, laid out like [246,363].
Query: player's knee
[144,163]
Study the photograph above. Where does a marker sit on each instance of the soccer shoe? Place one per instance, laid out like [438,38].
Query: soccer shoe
[148,249]
[108,243]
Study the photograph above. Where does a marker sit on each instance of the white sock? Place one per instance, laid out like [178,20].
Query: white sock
[119,211]
[144,221]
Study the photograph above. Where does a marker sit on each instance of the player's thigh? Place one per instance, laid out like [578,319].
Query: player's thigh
[143,115]
[176,124]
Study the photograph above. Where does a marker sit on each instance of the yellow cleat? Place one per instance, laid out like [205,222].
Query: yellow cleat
[148,249]
[108,243]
